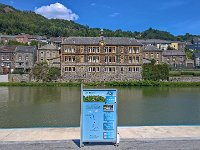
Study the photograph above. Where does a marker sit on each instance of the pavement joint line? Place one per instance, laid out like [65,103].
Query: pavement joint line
[6,136]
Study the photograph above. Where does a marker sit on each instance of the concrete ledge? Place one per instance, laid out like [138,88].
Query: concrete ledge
[57,134]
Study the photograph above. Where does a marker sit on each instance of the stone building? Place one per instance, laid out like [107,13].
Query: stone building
[56,41]
[101,59]
[7,58]
[25,58]
[152,52]
[175,58]
[160,44]
[50,54]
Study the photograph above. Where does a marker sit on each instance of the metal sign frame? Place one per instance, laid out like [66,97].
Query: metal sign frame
[82,141]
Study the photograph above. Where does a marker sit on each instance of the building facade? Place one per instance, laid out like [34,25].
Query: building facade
[25,58]
[100,59]
[152,52]
[196,58]
[174,58]
[50,54]
[7,59]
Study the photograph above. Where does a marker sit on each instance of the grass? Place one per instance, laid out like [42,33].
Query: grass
[108,84]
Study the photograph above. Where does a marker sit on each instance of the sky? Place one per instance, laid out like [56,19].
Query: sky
[175,16]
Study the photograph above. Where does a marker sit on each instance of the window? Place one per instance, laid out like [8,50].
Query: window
[134,69]
[130,60]
[69,49]
[20,58]
[93,49]
[3,57]
[93,59]
[133,50]
[110,49]
[26,58]
[93,69]
[152,56]
[157,55]
[110,69]
[110,59]
[146,55]
[69,69]
[7,57]
[70,58]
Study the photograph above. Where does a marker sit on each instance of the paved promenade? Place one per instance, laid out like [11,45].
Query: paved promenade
[144,138]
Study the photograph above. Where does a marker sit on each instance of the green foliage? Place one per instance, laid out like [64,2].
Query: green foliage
[16,22]
[42,72]
[11,43]
[18,71]
[155,72]
[184,73]
[145,83]
[53,73]
[94,99]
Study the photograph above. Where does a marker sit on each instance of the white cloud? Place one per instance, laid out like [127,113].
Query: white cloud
[56,11]
[115,14]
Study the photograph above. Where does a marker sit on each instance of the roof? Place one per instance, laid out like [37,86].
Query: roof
[7,48]
[154,41]
[151,48]
[25,49]
[7,36]
[55,39]
[48,47]
[173,53]
[196,55]
[96,40]
[23,35]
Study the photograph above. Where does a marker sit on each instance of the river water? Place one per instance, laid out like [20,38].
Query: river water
[25,107]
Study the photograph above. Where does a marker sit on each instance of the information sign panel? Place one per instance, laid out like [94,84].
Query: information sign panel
[98,115]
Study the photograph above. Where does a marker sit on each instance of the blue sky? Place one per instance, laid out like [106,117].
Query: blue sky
[175,16]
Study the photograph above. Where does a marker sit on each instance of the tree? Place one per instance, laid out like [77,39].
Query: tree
[40,72]
[155,72]
[53,73]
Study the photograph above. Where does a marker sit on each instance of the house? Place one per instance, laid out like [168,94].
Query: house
[50,54]
[23,38]
[160,44]
[196,58]
[175,58]
[56,41]
[178,45]
[101,59]
[195,45]
[7,58]
[152,52]
[7,38]
[25,58]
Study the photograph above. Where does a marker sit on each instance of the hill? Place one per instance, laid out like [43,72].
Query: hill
[13,21]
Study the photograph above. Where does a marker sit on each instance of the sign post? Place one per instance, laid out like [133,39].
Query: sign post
[98,115]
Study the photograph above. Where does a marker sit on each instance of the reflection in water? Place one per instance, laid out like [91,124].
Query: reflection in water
[60,106]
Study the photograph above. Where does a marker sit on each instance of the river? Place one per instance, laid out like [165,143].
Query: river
[25,107]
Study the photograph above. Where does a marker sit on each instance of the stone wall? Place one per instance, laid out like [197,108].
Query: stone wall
[184,79]
[82,74]
[3,78]
[19,78]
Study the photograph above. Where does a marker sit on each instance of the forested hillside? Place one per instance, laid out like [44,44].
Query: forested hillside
[14,22]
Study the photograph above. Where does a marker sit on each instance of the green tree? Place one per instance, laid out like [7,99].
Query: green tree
[40,72]
[155,72]
[53,73]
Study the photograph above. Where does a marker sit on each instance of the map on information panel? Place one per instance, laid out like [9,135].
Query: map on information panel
[99,116]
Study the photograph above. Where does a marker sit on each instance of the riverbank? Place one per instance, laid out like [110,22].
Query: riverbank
[107,84]
[148,132]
